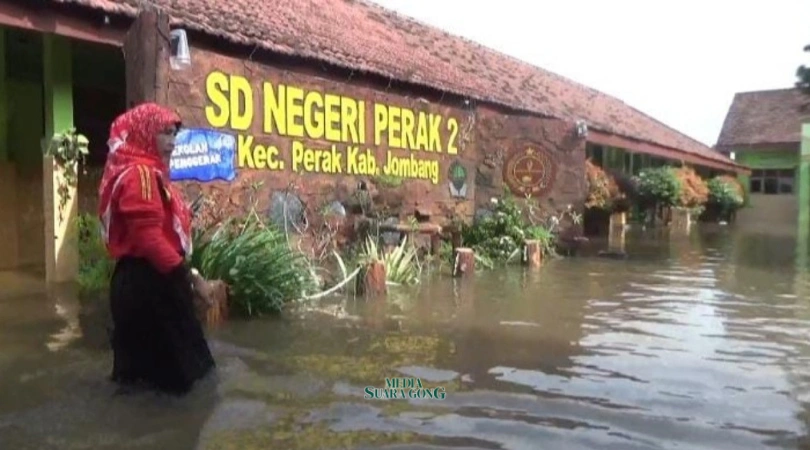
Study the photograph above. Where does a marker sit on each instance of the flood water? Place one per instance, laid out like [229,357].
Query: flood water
[690,343]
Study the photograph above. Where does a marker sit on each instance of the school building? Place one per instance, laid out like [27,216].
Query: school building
[769,132]
[289,94]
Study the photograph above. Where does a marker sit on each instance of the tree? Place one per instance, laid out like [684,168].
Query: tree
[803,75]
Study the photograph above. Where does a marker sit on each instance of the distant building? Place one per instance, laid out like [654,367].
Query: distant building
[763,131]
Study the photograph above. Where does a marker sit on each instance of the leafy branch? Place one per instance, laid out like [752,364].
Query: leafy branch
[68,150]
[803,76]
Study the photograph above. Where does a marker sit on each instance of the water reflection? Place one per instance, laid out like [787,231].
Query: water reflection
[695,342]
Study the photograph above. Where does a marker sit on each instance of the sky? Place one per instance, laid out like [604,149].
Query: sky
[680,61]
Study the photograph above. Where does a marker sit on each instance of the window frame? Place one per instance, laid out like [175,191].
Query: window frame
[772,181]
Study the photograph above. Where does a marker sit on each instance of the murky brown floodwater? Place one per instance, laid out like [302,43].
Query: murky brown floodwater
[695,344]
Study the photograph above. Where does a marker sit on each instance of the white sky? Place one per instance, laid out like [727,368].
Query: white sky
[680,61]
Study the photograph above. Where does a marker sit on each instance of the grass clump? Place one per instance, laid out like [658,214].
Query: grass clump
[401,263]
[263,273]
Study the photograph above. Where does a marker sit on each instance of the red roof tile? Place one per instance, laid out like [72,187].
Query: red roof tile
[401,48]
[765,117]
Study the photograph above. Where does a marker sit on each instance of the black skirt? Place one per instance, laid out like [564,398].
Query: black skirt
[157,338]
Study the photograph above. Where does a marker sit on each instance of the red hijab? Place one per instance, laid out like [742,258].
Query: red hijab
[133,141]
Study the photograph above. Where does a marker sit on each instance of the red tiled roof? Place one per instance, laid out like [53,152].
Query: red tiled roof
[401,48]
[765,117]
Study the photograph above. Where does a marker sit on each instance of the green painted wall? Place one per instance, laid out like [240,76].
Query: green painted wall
[23,100]
[764,159]
[768,159]
[58,85]
[26,124]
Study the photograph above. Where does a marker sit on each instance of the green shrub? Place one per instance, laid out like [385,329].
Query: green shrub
[256,262]
[95,265]
[501,235]
[659,186]
[725,195]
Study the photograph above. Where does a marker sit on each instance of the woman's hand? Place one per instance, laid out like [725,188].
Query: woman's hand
[201,287]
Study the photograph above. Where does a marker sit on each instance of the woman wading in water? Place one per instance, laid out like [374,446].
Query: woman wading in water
[157,338]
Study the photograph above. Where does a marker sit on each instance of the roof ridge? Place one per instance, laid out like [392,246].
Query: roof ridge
[785,89]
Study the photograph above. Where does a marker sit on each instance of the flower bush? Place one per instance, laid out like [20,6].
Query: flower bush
[694,191]
[603,192]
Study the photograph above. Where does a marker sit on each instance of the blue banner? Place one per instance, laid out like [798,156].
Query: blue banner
[203,155]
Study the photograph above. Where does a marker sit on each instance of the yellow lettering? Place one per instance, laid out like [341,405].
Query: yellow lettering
[348,111]
[316,160]
[241,90]
[361,163]
[275,111]
[216,84]
[394,127]
[272,158]
[434,133]
[244,150]
[361,113]
[258,156]
[297,156]
[411,167]
[408,140]
[332,117]
[452,126]
[313,115]
[422,142]
[295,112]
[380,122]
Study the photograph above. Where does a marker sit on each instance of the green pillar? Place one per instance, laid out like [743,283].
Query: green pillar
[804,182]
[803,233]
[61,239]
[58,84]
[4,154]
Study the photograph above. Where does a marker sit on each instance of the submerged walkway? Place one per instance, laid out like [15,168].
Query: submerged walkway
[703,343]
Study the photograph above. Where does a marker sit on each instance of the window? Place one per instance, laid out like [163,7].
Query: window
[596,154]
[637,163]
[772,181]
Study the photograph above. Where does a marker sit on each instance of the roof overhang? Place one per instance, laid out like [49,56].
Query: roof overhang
[759,146]
[49,20]
[613,140]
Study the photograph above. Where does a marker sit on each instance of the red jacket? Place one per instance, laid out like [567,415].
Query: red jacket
[140,221]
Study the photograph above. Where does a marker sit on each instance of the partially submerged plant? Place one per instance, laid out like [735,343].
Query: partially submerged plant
[659,187]
[401,264]
[725,194]
[603,191]
[501,235]
[253,258]
[694,192]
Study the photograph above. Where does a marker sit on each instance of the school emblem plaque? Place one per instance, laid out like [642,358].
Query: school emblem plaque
[457,174]
[530,172]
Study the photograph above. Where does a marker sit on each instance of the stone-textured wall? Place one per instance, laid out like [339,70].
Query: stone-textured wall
[509,143]
[485,140]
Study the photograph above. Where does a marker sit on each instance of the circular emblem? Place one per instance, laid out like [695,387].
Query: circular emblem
[530,172]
